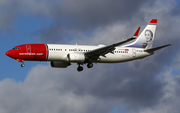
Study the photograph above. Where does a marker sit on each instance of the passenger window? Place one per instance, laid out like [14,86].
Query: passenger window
[17,48]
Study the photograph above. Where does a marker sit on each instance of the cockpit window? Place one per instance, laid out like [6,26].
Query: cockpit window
[16,48]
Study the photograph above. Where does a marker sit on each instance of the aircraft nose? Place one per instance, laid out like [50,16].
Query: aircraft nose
[7,53]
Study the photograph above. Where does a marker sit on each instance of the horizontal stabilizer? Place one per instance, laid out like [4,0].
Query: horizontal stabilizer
[156,48]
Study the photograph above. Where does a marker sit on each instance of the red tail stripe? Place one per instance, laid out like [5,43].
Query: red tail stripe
[153,21]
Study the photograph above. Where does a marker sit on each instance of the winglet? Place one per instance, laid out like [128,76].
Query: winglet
[136,33]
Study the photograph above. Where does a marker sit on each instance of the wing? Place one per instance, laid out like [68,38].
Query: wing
[104,50]
[94,54]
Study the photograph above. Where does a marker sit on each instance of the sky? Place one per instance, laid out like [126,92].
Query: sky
[149,85]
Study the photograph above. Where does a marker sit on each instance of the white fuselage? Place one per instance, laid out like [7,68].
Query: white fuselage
[57,52]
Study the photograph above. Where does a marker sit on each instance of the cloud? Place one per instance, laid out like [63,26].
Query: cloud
[169,102]
[93,13]
[145,85]
[43,93]
[84,13]
[72,17]
[83,17]
[47,89]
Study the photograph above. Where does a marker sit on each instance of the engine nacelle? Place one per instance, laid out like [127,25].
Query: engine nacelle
[76,57]
[60,64]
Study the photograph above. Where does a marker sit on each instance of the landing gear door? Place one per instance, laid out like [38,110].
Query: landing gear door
[28,48]
[134,53]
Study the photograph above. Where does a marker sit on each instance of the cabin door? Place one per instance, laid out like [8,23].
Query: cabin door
[133,53]
[28,48]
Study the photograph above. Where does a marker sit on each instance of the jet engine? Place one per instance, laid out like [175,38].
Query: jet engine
[60,64]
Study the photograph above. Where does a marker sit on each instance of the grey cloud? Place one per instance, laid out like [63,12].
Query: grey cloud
[135,86]
[69,16]
[11,10]
[84,16]
[135,83]
[83,13]
[99,12]
[57,90]
[169,102]
[8,14]
[144,85]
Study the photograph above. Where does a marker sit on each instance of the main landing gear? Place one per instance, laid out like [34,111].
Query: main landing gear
[80,68]
[20,60]
[89,65]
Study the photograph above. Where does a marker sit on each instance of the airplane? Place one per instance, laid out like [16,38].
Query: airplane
[62,56]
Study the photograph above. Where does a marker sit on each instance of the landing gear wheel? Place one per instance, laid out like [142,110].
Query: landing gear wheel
[89,65]
[22,65]
[80,68]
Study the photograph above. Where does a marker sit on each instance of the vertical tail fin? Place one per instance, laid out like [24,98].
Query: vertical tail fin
[146,38]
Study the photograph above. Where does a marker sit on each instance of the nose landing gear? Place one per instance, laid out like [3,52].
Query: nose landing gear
[22,65]
[21,60]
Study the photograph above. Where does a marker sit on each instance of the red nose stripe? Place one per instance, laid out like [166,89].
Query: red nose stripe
[37,52]
[34,52]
